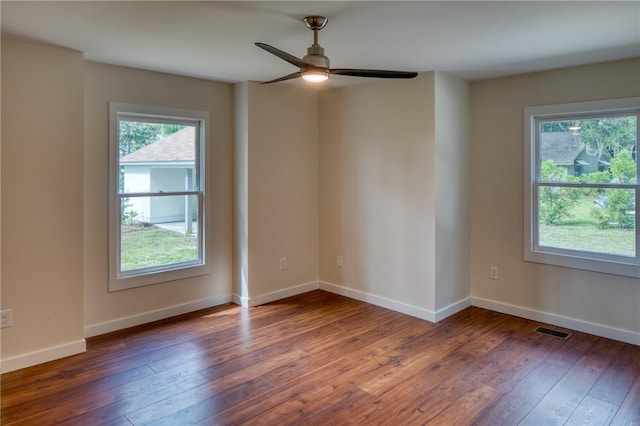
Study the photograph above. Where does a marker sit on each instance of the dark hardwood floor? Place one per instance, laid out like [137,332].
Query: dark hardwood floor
[323,359]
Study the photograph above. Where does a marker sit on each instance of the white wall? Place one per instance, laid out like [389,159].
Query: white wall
[106,311]
[42,202]
[377,191]
[276,158]
[598,303]
[379,149]
[241,193]
[452,163]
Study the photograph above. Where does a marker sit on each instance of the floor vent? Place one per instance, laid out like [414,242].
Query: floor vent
[553,333]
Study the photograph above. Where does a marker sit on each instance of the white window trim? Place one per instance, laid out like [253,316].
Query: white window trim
[179,271]
[616,265]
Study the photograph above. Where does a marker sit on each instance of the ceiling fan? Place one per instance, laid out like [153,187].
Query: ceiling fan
[315,65]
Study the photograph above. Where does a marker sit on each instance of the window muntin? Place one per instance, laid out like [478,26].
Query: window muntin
[157,195]
[581,186]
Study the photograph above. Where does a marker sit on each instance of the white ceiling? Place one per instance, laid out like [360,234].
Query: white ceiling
[215,40]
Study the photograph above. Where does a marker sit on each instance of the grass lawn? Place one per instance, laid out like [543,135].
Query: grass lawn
[151,246]
[581,233]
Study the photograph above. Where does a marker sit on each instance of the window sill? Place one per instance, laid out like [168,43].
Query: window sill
[612,267]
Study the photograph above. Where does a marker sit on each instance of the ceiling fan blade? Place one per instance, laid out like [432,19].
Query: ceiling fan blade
[286,77]
[373,73]
[285,56]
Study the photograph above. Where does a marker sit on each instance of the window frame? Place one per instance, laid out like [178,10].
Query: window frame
[578,259]
[121,280]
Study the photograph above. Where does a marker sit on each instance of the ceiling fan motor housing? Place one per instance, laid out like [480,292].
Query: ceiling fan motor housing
[315,56]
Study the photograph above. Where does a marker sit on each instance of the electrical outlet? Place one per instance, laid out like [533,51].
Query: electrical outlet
[283,263]
[6,318]
[339,261]
[494,273]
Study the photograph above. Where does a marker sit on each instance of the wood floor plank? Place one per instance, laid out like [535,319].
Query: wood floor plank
[517,402]
[324,359]
[465,409]
[251,409]
[616,381]
[508,363]
[106,406]
[118,421]
[416,355]
[13,403]
[566,356]
[402,401]
[629,412]
[592,411]
[356,402]
[558,405]
[183,408]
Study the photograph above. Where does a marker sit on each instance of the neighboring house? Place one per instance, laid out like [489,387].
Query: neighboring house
[163,166]
[567,150]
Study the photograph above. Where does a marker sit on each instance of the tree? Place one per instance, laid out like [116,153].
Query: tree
[138,134]
[615,134]
[614,206]
[134,135]
[623,167]
[556,202]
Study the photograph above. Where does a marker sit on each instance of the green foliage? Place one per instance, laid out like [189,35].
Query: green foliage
[623,167]
[615,206]
[556,126]
[145,247]
[611,134]
[124,205]
[614,209]
[130,217]
[556,202]
[597,177]
[549,172]
[617,134]
[581,233]
[169,129]
[134,135]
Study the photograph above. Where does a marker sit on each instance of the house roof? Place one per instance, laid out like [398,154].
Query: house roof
[178,146]
[561,147]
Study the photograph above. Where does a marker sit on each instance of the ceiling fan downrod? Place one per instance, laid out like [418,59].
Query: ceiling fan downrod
[315,53]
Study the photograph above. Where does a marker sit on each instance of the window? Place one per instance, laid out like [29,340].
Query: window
[157,195]
[581,186]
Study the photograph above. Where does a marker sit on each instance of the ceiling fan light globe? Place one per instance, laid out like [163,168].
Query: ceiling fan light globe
[315,76]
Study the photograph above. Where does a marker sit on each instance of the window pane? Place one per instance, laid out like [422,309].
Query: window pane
[158,231]
[588,219]
[584,149]
[156,157]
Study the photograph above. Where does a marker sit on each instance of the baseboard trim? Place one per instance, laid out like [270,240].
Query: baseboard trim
[150,316]
[383,302]
[622,335]
[276,295]
[44,355]
[454,308]
[239,300]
